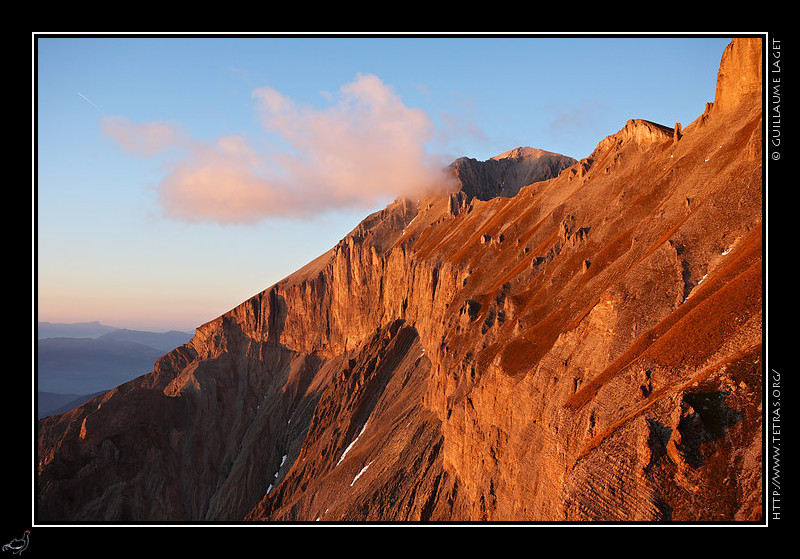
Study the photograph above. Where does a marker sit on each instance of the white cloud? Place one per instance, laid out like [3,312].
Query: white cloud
[365,148]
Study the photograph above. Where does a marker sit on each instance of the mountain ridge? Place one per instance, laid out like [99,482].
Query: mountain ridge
[586,348]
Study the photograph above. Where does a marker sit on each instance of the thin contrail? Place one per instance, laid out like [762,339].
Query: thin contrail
[89,101]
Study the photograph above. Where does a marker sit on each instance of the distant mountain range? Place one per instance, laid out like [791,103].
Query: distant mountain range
[78,361]
[71,330]
[159,340]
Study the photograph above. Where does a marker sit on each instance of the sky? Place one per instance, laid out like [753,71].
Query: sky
[177,176]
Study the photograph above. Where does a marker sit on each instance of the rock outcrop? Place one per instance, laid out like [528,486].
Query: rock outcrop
[583,343]
[505,174]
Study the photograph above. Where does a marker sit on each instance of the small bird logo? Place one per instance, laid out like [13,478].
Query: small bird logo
[18,545]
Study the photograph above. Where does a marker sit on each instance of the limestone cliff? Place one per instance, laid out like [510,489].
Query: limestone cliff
[553,340]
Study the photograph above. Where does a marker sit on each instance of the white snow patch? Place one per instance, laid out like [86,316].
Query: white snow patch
[358,475]
[346,450]
[275,475]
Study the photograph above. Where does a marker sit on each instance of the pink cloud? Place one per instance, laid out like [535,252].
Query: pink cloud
[145,140]
[364,149]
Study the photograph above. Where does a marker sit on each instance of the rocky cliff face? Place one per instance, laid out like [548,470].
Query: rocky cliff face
[553,340]
[505,174]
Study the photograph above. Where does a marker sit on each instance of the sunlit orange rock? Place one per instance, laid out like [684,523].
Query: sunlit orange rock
[554,340]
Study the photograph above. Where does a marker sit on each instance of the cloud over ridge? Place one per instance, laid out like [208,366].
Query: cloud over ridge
[365,148]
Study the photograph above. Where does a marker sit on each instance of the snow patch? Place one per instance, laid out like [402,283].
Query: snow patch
[275,475]
[358,475]
[346,450]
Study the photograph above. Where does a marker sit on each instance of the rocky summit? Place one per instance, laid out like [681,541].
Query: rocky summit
[549,340]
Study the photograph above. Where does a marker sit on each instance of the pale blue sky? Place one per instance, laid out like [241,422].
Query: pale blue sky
[107,251]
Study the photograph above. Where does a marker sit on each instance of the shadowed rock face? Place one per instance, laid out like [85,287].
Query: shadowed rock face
[585,345]
[505,174]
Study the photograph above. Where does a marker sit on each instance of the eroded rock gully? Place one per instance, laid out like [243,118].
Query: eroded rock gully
[583,346]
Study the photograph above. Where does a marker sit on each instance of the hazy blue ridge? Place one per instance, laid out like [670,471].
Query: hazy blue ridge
[75,362]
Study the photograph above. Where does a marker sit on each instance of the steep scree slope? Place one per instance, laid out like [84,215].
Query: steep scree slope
[582,347]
